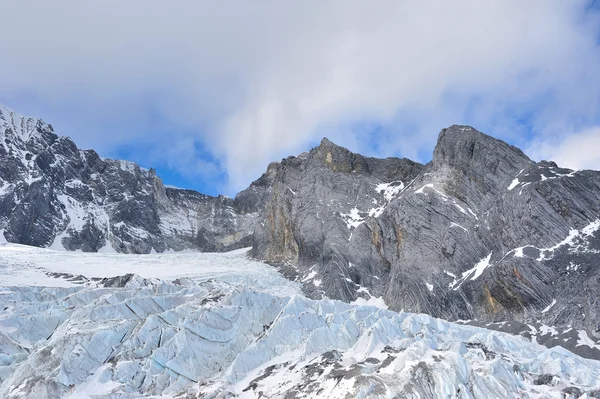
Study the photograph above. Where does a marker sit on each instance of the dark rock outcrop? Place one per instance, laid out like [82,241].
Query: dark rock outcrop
[53,194]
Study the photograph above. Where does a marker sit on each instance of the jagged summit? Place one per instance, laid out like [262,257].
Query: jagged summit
[18,122]
[464,147]
[52,194]
[458,146]
[325,142]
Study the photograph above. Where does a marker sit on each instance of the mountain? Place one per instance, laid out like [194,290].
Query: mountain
[481,232]
[233,327]
[52,194]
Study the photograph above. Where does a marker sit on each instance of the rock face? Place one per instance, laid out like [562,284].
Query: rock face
[53,194]
[480,232]
[315,201]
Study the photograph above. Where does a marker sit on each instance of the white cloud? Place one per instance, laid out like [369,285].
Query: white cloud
[258,81]
[576,151]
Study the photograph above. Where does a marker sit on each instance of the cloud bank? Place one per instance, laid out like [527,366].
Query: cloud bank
[224,88]
[577,150]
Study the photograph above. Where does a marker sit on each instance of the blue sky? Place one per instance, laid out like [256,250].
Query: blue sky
[209,94]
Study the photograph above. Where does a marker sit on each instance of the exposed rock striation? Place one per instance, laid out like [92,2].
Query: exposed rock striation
[480,232]
[315,202]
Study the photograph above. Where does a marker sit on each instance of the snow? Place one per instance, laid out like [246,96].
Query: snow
[429,287]
[474,272]
[422,189]
[481,266]
[127,166]
[445,198]
[591,228]
[576,239]
[584,339]
[352,219]
[232,327]
[515,182]
[542,175]
[78,215]
[93,386]
[459,226]
[454,280]
[232,267]
[390,190]
[518,252]
[373,301]
[5,188]
[545,330]
[376,212]
[18,273]
[574,234]
[19,124]
[310,276]
[547,308]
[568,240]
[572,267]
[108,249]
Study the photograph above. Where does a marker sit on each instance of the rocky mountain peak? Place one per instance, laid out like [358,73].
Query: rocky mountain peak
[338,158]
[325,142]
[464,146]
[465,156]
[23,137]
[54,194]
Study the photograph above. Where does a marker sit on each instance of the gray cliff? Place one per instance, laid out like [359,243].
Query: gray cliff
[480,232]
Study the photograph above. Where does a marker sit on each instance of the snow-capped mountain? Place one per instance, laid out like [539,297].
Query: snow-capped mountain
[221,325]
[53,194]
[480,233]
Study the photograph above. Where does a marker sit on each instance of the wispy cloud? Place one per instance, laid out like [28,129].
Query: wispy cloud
[256,81]
[578,150]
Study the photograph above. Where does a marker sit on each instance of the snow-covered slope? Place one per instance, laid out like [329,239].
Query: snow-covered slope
[220,325]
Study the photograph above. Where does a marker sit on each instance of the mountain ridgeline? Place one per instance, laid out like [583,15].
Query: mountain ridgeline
[480,232]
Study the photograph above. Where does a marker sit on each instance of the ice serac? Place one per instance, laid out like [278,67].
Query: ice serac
[480,232]
[235,328]
[52,194]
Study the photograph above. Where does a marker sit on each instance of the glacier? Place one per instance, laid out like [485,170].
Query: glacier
[80,325]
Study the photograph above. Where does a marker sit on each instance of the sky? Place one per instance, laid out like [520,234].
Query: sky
[209,93]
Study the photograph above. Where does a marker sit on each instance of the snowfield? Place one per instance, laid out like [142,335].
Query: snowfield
[221,325]
[23,265]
